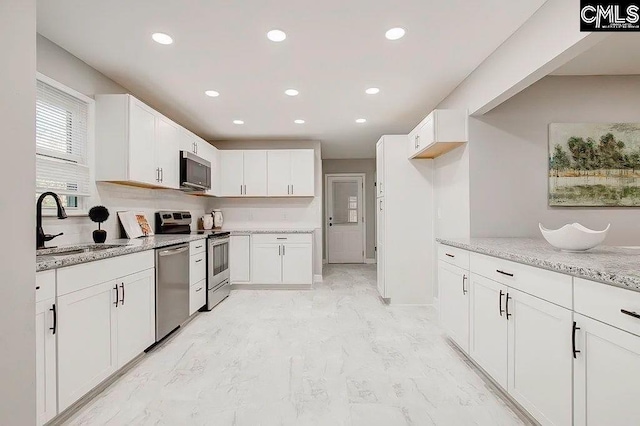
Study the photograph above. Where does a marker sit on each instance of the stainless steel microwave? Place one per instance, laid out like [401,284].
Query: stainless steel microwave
[195,172]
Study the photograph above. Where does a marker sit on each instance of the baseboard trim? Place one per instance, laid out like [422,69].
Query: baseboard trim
[369,261]
[271,286]
[317,278]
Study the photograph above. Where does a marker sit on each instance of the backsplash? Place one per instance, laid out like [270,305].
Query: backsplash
[269,212]
[118,198]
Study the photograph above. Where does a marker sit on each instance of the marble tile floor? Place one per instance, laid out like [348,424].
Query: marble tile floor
[334,355]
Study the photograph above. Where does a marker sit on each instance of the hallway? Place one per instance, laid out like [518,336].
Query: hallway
[334,355]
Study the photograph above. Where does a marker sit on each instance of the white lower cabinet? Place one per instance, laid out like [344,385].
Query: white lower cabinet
[100,329]
[267,263]
[540,364]
[46,400]
[380,247]
[297,267]
[86,340]
[240,258]
[197,296]
[489,328]
[606,372]
[454,303]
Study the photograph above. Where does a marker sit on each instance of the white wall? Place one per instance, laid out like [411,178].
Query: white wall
[509,157]
[17,213]
[276,213]
[57,63]
[368,167]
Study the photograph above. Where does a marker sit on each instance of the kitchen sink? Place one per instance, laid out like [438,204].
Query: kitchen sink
[68,251]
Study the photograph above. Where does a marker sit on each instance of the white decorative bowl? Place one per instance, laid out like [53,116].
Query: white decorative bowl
[574,237]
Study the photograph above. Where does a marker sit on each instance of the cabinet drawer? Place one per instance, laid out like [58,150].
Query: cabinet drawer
[45,285]
[197,268]
[196,247]
[604,303]
[77,277]
[454,256]
[281,238]
[197,296]
[548,285]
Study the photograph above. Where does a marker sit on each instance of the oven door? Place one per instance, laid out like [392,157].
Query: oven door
[195,172]
[218,263]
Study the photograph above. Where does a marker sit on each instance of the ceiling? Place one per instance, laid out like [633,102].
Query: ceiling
[335,49]
[618,54]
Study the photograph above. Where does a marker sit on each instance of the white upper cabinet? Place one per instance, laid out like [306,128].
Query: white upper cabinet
[380,169]
[290,173]
[255,173]
[135,144]
[231,173]
[440,132]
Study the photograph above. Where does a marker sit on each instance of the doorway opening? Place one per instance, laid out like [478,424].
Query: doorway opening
[345,236]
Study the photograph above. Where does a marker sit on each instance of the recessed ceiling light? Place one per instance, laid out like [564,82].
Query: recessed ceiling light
[395,33]
[238,122]
[162,38]
[291,92]
[372,91]
[361,120]
[212,93]
[299,121]
[276,35]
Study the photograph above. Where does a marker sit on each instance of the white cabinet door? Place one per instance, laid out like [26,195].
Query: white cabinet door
[454,303]
[211,154]
[231,173]
[135,315]
[197,296]
[606,372]
[540,358]
[267,264]
[46,402]
[239,258]
[380,249]
[380,169]
[168,153]
[142,143]
[426,134]
[489,327]
[255,173]
[303,172]
[279,173]
[86,341]
[297,264]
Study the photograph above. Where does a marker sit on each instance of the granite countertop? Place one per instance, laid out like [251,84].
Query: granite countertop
[617,266]
[240,231]
[48,259]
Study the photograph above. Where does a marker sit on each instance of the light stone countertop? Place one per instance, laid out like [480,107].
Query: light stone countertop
[242,231]
[617,266]
[48,259]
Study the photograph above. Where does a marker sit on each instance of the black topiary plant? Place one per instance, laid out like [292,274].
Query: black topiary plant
[99,214]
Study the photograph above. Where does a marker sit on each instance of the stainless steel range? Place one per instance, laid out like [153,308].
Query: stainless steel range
[218,286]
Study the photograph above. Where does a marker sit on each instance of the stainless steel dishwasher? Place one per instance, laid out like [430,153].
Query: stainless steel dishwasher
[172,288]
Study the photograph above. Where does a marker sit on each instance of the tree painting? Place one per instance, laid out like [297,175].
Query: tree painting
[594,164]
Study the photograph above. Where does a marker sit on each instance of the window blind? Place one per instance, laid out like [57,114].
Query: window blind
[61,142]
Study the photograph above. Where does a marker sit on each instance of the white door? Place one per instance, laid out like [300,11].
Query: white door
[255,173]
[454,303]
[239,258]
[345,224]
[45,361]
[279,172]
[86,341]
[488,326]
[606,372]
[231,173]
[142,144]
[168,153]
[303,172]
[380,169]
[297,264]
[380,247]
[540,358]
[136,315]
[267,263]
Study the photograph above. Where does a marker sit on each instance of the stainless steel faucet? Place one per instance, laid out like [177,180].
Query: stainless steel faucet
[41,237]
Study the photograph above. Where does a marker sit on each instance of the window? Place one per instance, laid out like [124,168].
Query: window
[62,136]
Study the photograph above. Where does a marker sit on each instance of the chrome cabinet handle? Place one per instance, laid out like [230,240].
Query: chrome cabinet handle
[500,303]
[450,255]
[199,260]
[504,273]
[117,295]
[280,250]
[573,339]
[284,249]
[292,189]
[161,174]
[464,290]
[198,289]
[506,305]
[630,313]
[122,300]
[55,319]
